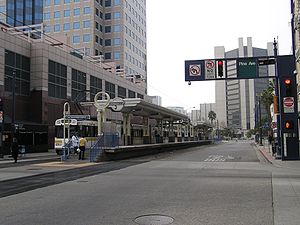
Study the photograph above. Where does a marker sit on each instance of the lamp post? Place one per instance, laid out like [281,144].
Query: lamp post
[13,112]
[260,126]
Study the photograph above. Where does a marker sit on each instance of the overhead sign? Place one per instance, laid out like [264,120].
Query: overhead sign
[247,68]
[266,61]
[288,105]
[194,70]
[210,69]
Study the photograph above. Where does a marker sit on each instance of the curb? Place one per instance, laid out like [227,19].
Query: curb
[266,156]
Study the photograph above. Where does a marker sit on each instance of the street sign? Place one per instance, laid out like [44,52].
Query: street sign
[266,61]
[195,70]
[210,69]
[78,117]
[247,68]
[288,105]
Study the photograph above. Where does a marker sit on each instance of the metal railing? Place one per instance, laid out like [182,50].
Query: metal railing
[105,141]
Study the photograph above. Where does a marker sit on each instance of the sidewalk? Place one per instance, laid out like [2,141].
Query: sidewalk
[266,152]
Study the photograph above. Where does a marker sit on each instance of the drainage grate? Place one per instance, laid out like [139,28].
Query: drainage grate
[153,219]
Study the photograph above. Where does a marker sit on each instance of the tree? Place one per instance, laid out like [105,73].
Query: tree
[267,98]
[212,116]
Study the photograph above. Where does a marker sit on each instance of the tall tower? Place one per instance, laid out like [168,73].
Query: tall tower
[21,12]
[114,29]
[236,99]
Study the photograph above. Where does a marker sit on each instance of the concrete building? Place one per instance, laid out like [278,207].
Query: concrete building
[37,77]
[201,114]
[236,99]
[156,100]
[296,44]
[114,31]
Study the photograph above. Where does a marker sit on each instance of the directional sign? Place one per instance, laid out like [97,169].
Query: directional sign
[194,70]
[288,105]
[210,69]
[266,61]
[247,68]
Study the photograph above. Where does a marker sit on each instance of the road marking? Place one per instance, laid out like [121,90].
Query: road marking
[218,158]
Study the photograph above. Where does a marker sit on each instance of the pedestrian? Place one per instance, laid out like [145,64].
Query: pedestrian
[15,149]
[82,143]
[75,143]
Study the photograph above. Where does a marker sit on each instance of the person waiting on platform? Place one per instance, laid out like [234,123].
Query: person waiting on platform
[75,143]
[15,149]
[82,143]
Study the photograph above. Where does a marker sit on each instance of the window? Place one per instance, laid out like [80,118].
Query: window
[110,89]
[87,24]
[67,13]
[18,67]
[140,96]
[117,2]
[96,25]
[56,2]
[47,2]
[95,86]
[56,28]
[107,42]
[86,10]
[117,41]
[107,29]
[107,16]
[76,12]
[78,83]
[56,14]
[47,16]
[57,80]
[107,3]
[86,38]
[96,39]
[47,29]
[76,0]
[107,55]
[121,92]
[97,12]
[67,1]
[117,28]
[66,26]
[131,94]
[76,39]
[76,25]
[117,55]
[117,15]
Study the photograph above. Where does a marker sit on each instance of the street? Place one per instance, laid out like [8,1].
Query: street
[228,183]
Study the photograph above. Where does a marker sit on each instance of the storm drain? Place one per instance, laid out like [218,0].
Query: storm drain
[154,219]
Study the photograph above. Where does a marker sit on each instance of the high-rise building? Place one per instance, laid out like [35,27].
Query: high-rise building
[21,12]
[201,114]
[236,100]
[112,29]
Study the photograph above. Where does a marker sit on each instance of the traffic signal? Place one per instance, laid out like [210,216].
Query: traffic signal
[220,68]
[288,87]
[289,124]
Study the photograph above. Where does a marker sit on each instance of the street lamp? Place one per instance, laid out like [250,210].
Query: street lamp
[259,114]
[13,113]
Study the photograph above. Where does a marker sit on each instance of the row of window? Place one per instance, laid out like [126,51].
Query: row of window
[138,5]
[135,37]
[134,61]
[68,26]
[66,13]
[135,25]
[134,49]
[58,2]
[57,84]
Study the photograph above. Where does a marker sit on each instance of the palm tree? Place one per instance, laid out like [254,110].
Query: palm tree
[212,116]
[267,98]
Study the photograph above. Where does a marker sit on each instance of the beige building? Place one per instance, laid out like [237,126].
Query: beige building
[112,30]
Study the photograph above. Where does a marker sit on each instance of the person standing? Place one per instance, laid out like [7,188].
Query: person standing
[82,143]
[15,149]
[75,143]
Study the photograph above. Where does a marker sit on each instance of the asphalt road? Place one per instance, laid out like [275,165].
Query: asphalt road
[215,185]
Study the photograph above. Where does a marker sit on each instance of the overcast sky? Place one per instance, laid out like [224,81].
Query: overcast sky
[184,30]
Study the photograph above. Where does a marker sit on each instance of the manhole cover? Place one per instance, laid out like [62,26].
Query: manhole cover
[154,219]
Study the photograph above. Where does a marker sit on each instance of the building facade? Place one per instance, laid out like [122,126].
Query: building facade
[236,100]
[115,30]
[37,78]
[201,114]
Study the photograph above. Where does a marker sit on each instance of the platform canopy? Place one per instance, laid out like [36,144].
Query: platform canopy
[139,107]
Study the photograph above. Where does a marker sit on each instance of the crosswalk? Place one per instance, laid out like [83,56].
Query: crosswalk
[218,158]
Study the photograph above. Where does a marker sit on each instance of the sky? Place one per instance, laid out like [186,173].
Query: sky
[190,29]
